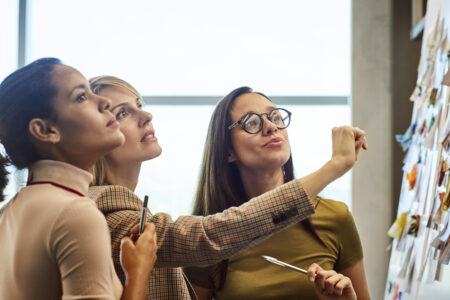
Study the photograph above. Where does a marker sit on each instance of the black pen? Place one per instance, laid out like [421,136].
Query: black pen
[143,216]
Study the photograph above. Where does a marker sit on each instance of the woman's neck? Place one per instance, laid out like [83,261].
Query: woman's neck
[258,182]
[123,174]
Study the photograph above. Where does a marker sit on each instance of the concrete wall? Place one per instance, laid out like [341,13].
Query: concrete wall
[384,63]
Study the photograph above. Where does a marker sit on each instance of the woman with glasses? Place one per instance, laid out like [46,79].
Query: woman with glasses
[247,153]
[196,240]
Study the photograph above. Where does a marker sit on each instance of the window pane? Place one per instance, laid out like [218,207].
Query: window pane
[170,180]
[201,47]
[310,139]
[9,24]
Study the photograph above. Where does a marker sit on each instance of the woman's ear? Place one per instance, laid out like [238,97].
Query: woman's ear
[44,131]
[231,157]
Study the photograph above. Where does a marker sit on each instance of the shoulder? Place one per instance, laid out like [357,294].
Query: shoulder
[332,210]
[111,198]
[80,210]
[77,218]
[331,206]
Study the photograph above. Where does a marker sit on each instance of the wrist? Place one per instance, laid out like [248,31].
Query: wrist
[136,277]
[338,166]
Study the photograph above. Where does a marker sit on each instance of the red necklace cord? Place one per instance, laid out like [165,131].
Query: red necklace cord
[57,185]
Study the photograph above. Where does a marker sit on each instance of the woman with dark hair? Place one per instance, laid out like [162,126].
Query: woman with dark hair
[195,240]
[55,242]
[247,153]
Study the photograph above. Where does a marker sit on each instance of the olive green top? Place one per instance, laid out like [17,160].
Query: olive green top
[248,276]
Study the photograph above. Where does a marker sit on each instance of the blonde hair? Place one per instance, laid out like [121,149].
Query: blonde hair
[100,82]
[97,84]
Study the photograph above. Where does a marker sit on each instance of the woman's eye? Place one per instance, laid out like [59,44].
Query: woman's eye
[82,97]
[251,123]
[139,105]
[276,118]
[121,114]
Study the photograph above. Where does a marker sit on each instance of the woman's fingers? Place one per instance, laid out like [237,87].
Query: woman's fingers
[347,142]
[343,284]
[148,237]
[322,277]
[135,230]
[126,245]
[331,284]
[126,250]
[360,136]
[312,271]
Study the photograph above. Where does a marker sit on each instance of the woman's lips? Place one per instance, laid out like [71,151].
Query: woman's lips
[112,122]
[149,136]
[274,142]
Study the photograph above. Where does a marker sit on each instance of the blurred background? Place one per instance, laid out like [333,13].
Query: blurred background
[330,62]
[183,56]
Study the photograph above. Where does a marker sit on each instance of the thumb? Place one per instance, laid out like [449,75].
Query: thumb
[312,271]
[126,245]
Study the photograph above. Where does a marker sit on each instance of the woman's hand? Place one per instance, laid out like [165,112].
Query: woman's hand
[138,258]
[347,141]
[331,285]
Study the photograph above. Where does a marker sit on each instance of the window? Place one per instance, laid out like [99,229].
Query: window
[185,55]
[9,26]
[201,47]
[9,21]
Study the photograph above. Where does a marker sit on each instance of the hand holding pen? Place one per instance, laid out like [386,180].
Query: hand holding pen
[138,254]
[138,258]
[328,283]
[331,285]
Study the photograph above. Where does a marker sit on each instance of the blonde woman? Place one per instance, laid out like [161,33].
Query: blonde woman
[195,240]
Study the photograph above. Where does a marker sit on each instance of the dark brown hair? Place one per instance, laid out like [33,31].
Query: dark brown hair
[24,95]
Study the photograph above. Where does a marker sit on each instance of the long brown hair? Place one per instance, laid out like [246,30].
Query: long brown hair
[220,184]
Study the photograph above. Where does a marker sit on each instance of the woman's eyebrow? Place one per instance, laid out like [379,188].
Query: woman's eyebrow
[80,86]
[119,105]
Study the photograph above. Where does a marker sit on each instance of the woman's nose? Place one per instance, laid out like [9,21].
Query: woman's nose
[145,118]
[104,103]
[268,126]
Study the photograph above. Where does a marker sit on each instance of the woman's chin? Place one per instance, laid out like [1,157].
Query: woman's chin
[117,140]
[153,154]
[113,143]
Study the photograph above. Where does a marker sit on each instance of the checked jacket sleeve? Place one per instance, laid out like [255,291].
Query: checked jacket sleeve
[196,240]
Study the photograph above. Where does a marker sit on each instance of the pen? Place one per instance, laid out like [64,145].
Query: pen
[143,215]
[283,264]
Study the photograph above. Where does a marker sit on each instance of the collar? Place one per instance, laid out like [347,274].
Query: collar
[61,173]
[112,198]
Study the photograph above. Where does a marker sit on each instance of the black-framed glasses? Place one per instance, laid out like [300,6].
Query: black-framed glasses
[253,123]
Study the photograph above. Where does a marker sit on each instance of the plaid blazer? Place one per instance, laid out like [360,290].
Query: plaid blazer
[196,240]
